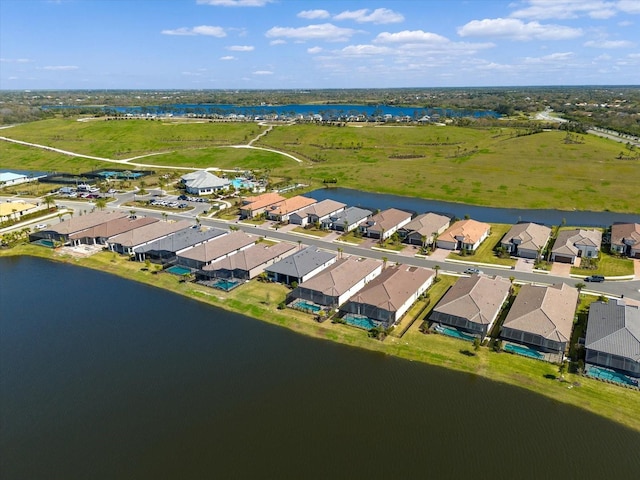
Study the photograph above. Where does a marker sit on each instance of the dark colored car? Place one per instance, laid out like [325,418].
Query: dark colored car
[182,197]
[594,278]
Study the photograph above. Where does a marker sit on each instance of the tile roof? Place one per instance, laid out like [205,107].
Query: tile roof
[302,262]
[625,233]
[342,275]
[614,328]
[83,222]
[477,298]
[150,232]
[251,257]
[350,215]
[567,240]
[219,247]
[427,223]
[393,287]
[113,227]
[544,311]
[471,231]
[322,208]
[261,201]
[532,236]
[289,205]
[387,219]
[182,239]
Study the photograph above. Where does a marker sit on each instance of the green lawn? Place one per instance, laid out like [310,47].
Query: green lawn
[609,266]
[485,252]
[312,231]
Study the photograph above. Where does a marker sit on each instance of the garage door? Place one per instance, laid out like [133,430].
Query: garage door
[562,259]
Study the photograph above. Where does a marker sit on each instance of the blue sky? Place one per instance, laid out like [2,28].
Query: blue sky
[283,44]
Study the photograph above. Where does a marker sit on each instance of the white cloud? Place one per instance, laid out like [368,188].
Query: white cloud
[378,16]
[60,67]
[234,3]
[313,14]
[552,58]
[228,57]
[365,50]
[609,44]
[277,42]
[564,9]
[205,30]
[314,50]
[634,55]
[629,6]
[263,72]
[325,31]
[241,48]
[15,60]
[410,36]
[517,30]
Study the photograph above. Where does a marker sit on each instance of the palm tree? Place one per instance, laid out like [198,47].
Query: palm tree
[48,200]
[580,286]
[384,262]
[164,216]
[132,213]
[340,250]
[436,268]
[101,203]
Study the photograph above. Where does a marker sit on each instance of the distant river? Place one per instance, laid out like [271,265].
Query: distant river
[483,214]
[103,378]
[327,112]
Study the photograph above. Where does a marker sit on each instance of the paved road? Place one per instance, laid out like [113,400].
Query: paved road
[628,289]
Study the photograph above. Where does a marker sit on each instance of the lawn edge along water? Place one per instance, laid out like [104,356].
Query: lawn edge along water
[609,401]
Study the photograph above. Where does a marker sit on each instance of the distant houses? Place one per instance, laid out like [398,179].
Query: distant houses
[542,317]
[573,243]
[99,234]
[526,240]
[62,231]
[625,239]
[613,337]
[423,229]
[472,304]
[464,235]
[385,223]
[387,298]
[203,183]
[317,213]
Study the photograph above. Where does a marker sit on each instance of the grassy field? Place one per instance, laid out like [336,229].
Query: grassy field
[260,301]
[495,167]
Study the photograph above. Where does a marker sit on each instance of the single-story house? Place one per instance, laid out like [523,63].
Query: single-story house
[12,210]
[347,220]
[281,211]
[542,317]
[203,183]
[336,284]
[464,235]
[422,229]
[13,178]
[613,337]
[526,240]
[386,298]
[385,223]
[127,242]
[99,234]
[317,213]
[220,247]
[248,263]
[254,206]
[165,250]
[625,239]
[60,232]
[300,266]
[472,304]
[574,243]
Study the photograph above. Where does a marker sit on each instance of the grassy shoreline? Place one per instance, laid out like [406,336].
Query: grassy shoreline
[260,301]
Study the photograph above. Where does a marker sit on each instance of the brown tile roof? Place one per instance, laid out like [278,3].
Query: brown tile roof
[625,231]
[322,208]
[219,247]
[83,222]
[148,233]
[469,230]
[393,287]
[532,236]
[289,205]
[251,257]
[261,201]
[342,275]
[114,227]
[477,298]
[387,219]
[427,223]
[544,311]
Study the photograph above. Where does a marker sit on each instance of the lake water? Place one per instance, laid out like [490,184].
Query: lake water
[485,214]
[105,378]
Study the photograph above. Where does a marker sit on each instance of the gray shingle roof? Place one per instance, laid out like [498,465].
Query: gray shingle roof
[204,179]
[350,216]
[301,263]
[614,328]
[219,247]
[567,240]
[250,258]
[148,233]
